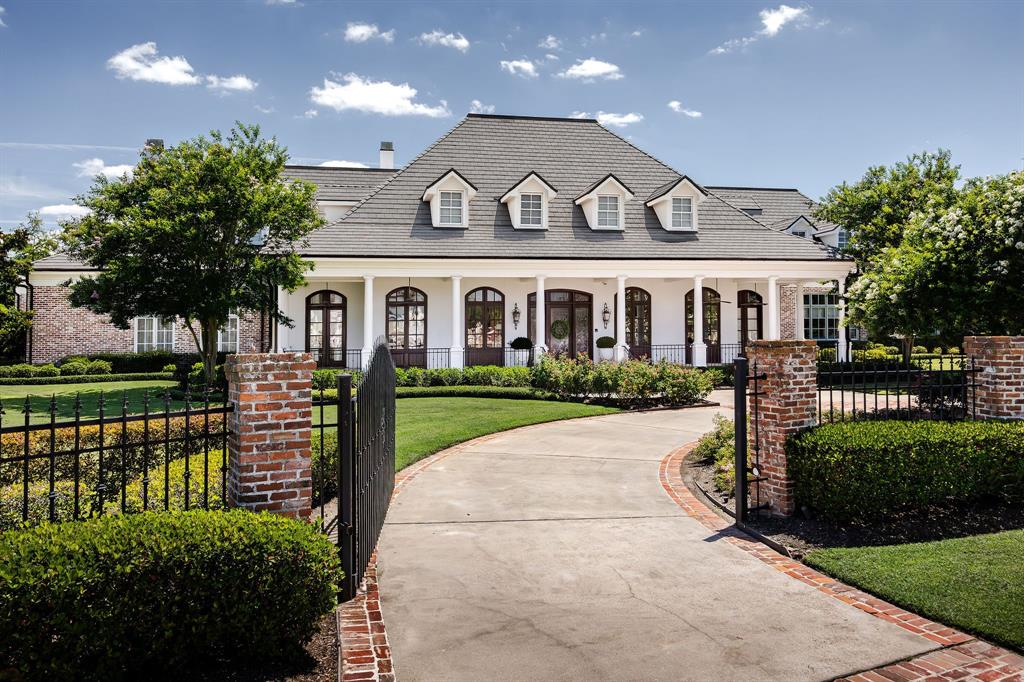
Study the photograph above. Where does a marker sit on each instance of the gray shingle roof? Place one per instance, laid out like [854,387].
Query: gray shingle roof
[495,152]
[779,206]
[340,184]
[59,261]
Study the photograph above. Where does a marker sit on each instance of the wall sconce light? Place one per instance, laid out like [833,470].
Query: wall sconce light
[515,316]
[606,315]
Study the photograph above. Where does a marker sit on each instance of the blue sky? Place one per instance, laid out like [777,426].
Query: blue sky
[759,93]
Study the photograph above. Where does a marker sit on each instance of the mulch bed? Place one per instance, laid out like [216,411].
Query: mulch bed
[319,664]
[800,533]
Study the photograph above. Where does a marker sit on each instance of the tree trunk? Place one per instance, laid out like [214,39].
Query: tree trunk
[209,353]
[908,348]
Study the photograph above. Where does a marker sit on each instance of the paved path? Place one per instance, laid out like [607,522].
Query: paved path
[553,553]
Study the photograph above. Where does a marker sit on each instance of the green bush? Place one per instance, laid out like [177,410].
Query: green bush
[74,368]
[719,446]
[683,385]
[606,342]
[328,378]
[83,379]
[521,343]
[24,370]
[137,363]
[953,350]
[98,367]
[826,354]
[918,350]
[161,594]
[170,367]
[638,382]
[197,376]
[863,470]
[937,350]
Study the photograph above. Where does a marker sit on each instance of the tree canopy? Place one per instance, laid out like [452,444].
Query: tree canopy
[197,232]
[19,248]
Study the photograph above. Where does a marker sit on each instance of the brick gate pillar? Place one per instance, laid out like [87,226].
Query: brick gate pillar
[999,381]
[270,428]
[787,404]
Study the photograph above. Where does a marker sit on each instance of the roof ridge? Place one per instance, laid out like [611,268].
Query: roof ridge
[762,189]
[340,168]
[401,170]
[739,210]
[642,151]
[533,118]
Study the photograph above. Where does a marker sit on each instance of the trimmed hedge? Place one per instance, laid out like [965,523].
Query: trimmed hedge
[161,594]
[142,363]
[863,470]
[512,392]
[84,379]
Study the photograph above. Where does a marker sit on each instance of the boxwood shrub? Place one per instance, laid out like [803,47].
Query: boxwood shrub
[82,379]
[863,470]
[160,594]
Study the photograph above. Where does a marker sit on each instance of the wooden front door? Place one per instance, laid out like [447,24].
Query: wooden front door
[485,327]
[750,313]
[569,326]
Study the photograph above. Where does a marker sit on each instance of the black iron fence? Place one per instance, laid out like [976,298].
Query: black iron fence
[505,357]
[424,358]
[353,465]
[747,387]
[349,358]
[108,454]
[930,388]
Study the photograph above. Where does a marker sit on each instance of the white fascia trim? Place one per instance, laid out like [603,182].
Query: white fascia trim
[431,191]
[619,189]
[549,190]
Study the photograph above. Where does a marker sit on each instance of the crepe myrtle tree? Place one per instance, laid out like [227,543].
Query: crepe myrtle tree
[197,232]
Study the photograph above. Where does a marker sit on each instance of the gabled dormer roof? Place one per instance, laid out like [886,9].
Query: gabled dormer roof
[531,175]
[597,185]
[431,188]
[670,186]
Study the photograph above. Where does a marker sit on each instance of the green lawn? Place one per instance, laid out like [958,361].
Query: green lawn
[975,583]
[13,399]
[427,425]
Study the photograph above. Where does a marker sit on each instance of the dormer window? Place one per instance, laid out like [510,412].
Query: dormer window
[528,202]
[451,208]
[603,204]
[449,198]
[530,211]
[682,213]
[608,211]
[676,204]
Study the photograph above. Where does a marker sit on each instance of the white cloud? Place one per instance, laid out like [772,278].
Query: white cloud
[339,163]
[454,40]
[61,147]
[264,110]
[677,106]
[478,107]
[591,69]
[64,211]
[2,10]
[141,63]
[22,188]
[285,3]
[637,33]
[551,56]
[90,168]
[774,19]
[376,97]
[520,67]
[309,113]
[772,22]
[356,32]
[238,83]
[609,119]
[550,42]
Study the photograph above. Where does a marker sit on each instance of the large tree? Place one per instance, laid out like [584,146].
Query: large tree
[197,232]
[958,270]
[878,208]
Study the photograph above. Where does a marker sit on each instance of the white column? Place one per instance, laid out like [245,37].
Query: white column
[798,313]
[367,319]
[456,350]
[700,349]
[539,337]
[621,349]
[841,352]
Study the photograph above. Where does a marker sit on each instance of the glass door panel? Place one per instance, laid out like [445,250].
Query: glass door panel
[559,330]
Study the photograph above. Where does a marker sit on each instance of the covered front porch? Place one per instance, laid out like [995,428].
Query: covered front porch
[463,313]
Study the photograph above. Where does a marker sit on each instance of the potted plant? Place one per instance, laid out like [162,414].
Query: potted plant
[605,348]
[525,348]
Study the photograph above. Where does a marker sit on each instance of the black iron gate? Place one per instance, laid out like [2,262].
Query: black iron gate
[748,439]
[366,463]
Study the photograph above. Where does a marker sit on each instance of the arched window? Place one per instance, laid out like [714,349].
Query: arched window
[712,314]
[569,323]
[638,322]
[407,326]
[325,327]
[750,316]
[485,327]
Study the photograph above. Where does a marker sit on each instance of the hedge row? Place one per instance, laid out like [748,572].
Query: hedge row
[159,595]
[84,379]
[75,368]
[863,470]
[144,362]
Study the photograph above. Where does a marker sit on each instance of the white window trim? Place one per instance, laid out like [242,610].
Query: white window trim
[513,199]
[135,334]
[238,335]
[618,219]
[825,307]
[682,213]
[462,208]
[449,182]
[539,210]
[610,186]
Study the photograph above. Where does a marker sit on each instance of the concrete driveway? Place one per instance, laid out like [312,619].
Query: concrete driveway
[552,553]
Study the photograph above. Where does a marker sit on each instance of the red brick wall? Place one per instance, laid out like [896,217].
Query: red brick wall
[1000,380]
[270,429]
[60,330]
[787,404]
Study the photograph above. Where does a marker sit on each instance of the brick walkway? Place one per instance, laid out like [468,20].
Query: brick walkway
[962,657]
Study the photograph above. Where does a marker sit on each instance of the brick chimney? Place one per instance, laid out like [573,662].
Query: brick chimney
[387,155]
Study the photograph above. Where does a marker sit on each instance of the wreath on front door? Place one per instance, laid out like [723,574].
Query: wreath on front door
[560,329]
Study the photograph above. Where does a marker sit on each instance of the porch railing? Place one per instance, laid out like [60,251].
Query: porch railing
[425,358]
[350,358]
